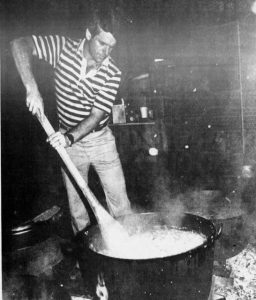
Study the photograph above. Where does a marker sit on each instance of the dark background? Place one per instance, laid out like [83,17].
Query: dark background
[202,93]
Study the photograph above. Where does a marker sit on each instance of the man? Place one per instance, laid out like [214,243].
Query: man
[86,83]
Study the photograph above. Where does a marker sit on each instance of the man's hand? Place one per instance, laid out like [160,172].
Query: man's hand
[58,139]
[35,104]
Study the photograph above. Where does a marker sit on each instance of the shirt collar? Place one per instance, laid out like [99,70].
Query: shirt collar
[81,46]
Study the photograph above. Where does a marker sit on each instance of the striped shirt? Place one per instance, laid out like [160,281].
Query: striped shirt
[77,92]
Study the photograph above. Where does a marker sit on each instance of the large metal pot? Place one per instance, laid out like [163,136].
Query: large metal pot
[31,232]
[25,236]
[184,276]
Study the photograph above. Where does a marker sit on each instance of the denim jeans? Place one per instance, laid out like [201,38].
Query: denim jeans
[99,150]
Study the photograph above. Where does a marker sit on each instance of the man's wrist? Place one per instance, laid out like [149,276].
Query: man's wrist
[31,87]
[70,138]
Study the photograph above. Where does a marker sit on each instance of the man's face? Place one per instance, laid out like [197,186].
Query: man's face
[101,45]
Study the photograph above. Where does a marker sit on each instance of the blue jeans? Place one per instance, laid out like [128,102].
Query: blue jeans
[99,150]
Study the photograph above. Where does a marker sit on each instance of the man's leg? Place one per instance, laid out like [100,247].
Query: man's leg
[108,166]
[79,216]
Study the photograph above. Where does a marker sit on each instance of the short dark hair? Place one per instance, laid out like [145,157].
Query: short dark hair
[101,18]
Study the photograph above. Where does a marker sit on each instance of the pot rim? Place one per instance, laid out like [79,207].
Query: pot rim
[210,240]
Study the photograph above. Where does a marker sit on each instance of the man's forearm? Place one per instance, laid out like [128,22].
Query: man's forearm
[22,50]
[87,125]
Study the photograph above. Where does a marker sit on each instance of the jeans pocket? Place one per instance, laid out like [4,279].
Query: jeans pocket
[107,152]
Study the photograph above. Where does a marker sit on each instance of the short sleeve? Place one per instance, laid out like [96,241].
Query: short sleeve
[107,94]
[48,48]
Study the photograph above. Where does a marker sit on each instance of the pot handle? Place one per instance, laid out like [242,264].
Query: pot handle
[218,231]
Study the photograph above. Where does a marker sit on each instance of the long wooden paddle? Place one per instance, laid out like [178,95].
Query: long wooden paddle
[102,216]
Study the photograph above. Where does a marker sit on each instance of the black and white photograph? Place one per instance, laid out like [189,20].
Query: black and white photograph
[128,149]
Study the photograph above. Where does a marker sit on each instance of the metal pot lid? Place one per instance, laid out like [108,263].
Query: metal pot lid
[48,214]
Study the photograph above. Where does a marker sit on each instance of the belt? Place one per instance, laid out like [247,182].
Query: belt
[97,129]
[63,127]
